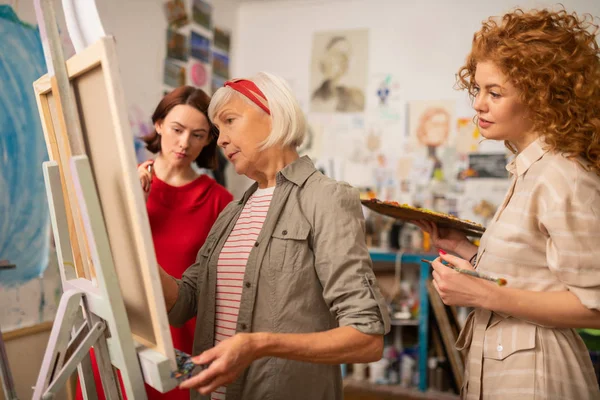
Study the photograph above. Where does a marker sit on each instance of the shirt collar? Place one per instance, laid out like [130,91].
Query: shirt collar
[297,172]
[526,158]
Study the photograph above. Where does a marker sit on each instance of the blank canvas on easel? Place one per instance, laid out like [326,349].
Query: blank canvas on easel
[108,143]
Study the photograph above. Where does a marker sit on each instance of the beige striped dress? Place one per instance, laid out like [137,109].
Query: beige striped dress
[544,237]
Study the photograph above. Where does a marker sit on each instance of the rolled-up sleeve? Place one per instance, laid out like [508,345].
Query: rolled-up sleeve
[343,264]
[573,247]
[186,305]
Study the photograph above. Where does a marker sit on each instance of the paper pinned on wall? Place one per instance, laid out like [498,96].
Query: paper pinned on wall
[481,198]
[488,166]
[384,99]
[467,136]
[338,74]
[431,123]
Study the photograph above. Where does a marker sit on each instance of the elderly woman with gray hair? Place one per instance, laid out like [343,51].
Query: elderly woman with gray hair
[283,288]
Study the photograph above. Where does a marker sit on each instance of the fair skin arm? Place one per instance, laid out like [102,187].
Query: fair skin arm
[231,357]
[561,309]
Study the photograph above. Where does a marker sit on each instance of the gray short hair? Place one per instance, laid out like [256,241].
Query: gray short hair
[288,121]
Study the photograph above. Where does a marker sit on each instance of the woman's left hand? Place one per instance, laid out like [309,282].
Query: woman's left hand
[227,361]
[458,289]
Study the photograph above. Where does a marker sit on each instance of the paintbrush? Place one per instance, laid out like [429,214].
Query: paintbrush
[498,281]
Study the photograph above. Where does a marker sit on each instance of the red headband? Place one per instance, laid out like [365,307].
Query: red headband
[251,91]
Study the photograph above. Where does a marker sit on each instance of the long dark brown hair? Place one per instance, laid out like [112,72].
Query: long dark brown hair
[197,98]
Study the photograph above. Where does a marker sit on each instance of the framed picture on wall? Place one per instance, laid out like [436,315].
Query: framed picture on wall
[221,65]
[200,47]
[202,13]
[177,45]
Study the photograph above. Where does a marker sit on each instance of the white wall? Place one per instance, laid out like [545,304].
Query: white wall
[423,42]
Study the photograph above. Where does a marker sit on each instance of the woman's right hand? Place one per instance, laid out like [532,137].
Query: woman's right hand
[146,176]
[446,239]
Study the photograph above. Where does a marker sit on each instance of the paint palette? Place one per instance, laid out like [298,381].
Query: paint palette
[186,368]
[407,212]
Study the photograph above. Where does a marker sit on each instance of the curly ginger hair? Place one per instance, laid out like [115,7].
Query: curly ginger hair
[553,59]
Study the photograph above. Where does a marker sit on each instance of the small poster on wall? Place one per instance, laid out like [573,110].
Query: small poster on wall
[177,45]
[200,47]
[174,74]
[176,14]
[221,65]
[222,39]
[338,74]
[199,74]
[202,13]
[488,166]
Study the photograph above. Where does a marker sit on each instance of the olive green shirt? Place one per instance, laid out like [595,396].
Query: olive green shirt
[310,271]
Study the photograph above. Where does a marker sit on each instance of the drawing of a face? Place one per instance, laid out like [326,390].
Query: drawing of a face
[434,127]
[336,59]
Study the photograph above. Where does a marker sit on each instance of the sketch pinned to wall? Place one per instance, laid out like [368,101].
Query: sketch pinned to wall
[338,76]
[28,293]
[177,45]
[200,47]
[176,13]
[430,128]
[385,97]
[222,39]
[202,13]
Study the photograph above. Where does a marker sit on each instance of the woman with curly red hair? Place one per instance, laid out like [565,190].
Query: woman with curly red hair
[535,81]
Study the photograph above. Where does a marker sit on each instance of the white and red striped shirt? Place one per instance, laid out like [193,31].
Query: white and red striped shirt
[232,266]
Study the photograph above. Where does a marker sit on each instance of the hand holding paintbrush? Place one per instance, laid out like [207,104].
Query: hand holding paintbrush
[453,279]
[498,281]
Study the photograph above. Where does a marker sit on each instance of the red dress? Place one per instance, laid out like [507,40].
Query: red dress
[180,219]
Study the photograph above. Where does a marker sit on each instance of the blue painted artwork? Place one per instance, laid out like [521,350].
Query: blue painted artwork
[24,218]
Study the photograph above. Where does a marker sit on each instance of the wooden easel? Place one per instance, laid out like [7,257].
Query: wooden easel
[93,312]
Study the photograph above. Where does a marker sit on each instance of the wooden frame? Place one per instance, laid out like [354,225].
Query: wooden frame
[27,331]
[107,141]
[448,335]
